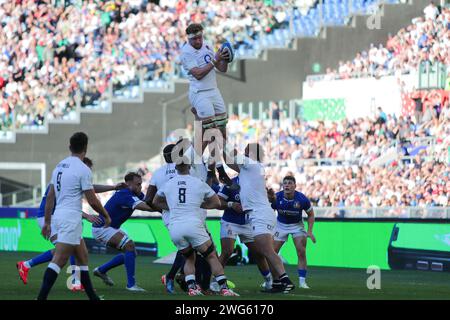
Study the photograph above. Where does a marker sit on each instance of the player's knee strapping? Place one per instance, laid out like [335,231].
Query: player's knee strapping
[208,123]
[208,251]
[221,121]
[123,242]
[188,253]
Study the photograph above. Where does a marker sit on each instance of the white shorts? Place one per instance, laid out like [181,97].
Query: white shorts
[184,235]
[207,103]
[232,230]
[41,222]
[103,235]
[283,230]
[262,221]
[67,232]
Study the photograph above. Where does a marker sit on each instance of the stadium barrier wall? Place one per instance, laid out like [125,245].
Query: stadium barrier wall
[344,243]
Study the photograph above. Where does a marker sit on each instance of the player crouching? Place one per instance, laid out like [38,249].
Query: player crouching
[120,207]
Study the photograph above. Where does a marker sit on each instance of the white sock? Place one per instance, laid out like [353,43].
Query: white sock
[302,280]
[54,267]
[27,264]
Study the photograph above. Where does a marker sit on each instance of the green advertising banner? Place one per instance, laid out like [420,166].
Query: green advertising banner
[435,237]
[339,244]
[324,109]
[22,235]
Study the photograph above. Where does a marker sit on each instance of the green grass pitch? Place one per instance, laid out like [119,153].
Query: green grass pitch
[325,283]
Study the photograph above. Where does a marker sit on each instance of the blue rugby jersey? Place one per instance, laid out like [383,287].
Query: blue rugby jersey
[290,211]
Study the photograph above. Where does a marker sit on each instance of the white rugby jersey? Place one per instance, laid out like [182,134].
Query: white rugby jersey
[162,175]
[192,58]
[160,178]
[70,179]
[184,195]
[252,180]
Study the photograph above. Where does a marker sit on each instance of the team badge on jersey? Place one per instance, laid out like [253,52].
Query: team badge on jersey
[296,205]
[207,58]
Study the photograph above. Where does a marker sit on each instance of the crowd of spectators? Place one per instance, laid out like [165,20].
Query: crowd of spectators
[334,162]
[417,175]
[49,53]
[425,41]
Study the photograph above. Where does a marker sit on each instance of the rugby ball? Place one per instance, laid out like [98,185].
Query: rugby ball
[228,47]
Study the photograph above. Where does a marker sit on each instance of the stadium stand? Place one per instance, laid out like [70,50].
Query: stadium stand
[82,48]
[333,161]
[85,51]
[425,41]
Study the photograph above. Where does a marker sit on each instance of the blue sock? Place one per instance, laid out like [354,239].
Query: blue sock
[74,267]
[72,264]
[114,262]
[130,257]
[42,258]
[302,273]
[264,273]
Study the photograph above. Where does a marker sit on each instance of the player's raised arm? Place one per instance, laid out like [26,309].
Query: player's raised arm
[271,195]
[49,207]
[99,188]
[232,160]
[97,206]
[144,207]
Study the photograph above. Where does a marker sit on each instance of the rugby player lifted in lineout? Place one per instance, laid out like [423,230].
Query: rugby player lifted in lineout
[200,61]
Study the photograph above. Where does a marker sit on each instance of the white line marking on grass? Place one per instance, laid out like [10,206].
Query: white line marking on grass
[308,296]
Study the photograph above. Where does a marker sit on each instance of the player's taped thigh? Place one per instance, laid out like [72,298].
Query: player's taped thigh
[221,121]
[123,242]
[188,253]
[208,123]
[208,251]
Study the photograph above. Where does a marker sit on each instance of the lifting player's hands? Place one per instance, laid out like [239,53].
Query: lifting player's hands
[46,231]
[271,194]
[237,207]
[311,236]
[223,55]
